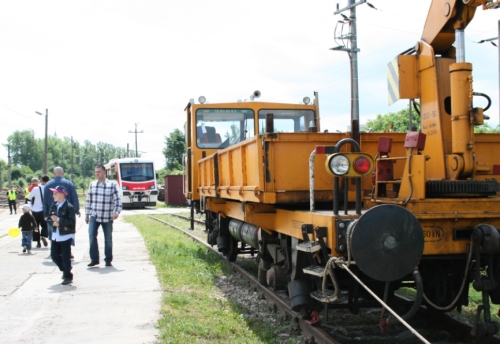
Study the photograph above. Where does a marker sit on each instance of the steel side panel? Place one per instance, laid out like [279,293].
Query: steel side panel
[487,147]
[240,175]
[441,218]
[291,167]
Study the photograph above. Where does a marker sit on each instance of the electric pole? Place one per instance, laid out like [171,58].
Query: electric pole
[135,131]
[45,152]
[351,47]
[9,166]
[72,146]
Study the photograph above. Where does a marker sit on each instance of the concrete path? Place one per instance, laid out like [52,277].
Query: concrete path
[118,304]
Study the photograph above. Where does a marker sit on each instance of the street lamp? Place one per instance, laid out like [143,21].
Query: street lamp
[46,139]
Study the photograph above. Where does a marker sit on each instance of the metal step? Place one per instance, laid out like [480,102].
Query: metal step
[309,246]
[314,270]
[318,295]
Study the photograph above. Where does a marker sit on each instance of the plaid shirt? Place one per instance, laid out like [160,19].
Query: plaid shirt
[103,201]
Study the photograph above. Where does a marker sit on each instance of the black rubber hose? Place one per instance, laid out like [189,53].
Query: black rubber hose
[485,96]
[416,304]
[417,109]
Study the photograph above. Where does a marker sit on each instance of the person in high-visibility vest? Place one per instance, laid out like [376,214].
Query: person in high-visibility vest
[26,193]
[12,195]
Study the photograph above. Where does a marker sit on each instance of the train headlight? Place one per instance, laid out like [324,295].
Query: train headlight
[125,187]
[152,186]
[339,165]
[349,164]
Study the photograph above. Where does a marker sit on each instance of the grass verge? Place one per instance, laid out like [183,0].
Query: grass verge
[468,312]
[194,310]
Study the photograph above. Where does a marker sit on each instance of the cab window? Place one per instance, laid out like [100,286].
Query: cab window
[221,128]
[287,121]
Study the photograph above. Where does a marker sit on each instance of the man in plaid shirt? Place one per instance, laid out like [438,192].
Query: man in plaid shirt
[103,205]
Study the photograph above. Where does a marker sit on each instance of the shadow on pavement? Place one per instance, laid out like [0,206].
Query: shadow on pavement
[105,270]
[59,288]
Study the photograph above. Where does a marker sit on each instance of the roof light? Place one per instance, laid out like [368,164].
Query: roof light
[202,99]
[306,100]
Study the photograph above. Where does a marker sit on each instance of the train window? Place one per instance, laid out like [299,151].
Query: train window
[221,128]
[137,172]
[287,121]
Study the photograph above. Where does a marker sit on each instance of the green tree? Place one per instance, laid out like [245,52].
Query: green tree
[400,122]
[234,136]
[486,129]
[175,145]
[25,149]
[394,121]
[3,171]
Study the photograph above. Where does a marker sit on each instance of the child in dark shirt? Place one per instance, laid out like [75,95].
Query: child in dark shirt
[63,221]
[27,224]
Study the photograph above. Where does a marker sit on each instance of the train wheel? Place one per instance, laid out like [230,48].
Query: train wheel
[262,272]
[233,249]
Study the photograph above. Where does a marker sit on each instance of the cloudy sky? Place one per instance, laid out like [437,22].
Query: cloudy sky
[101,66]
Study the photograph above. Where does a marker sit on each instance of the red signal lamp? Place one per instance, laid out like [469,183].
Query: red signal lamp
[362,165]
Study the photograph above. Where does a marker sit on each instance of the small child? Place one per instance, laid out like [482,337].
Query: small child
[63,221]
[27,224]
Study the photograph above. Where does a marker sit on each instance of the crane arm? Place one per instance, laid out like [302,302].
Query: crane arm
[446,16]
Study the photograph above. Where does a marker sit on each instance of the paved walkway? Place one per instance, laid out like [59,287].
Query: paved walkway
[119,304]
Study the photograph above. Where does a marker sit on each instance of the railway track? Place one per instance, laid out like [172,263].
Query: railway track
[344,327]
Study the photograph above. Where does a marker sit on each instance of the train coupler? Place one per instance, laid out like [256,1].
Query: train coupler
[486,237]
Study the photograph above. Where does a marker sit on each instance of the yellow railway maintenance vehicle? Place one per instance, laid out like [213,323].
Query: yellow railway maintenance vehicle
[325,214]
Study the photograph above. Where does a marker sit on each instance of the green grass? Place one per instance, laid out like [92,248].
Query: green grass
[468,313]
[162,204]
[194,310]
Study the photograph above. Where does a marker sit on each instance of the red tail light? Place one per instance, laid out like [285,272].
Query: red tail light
[362,165]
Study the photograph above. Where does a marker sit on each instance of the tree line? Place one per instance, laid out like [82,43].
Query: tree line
[400,122]
[77,159]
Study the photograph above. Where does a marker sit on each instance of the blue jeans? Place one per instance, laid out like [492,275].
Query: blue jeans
[60,251]
[107,228]
[26,241]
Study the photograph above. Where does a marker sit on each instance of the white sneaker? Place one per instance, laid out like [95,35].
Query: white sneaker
[29,251]
[25,248]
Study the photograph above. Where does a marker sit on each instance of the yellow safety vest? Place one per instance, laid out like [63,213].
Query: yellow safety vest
[12,195]
[26,193]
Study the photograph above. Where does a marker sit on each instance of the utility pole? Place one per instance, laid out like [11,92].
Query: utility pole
[352,50]
[72,158]
[46,139]
[140,132]
[9,166]
[83,172]
[127,151]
